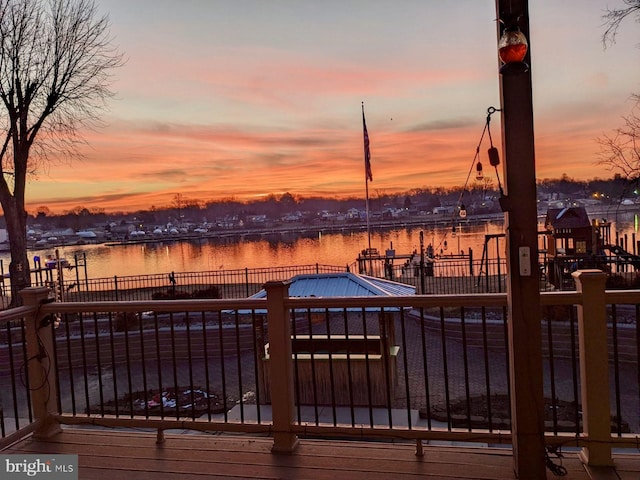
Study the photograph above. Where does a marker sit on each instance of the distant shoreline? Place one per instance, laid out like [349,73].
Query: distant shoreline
[433,220]
[425,221]
[608,212]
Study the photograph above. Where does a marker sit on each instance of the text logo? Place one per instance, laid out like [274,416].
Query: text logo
[49,467]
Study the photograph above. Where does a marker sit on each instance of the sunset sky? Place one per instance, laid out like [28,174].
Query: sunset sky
[246,98]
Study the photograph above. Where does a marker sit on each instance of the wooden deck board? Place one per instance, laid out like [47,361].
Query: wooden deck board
[134,455]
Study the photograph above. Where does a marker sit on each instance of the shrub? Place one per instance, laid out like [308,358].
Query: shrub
[615,281]
[210,292]
[172,294]
[126,321]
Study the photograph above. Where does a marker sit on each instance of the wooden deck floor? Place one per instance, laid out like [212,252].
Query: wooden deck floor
[134,455]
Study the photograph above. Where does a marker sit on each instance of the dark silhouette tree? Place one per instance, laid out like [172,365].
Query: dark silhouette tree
[614,17]
[56,62]
[288,201]
[621,151]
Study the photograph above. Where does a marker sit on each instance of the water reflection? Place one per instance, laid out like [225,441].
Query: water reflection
[261,251]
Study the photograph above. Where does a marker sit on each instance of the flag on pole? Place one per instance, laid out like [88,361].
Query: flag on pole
[367,152]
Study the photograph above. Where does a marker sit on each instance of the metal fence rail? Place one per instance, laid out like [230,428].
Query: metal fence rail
[422,369]
[454,274]
[419,367]
[174,364]
[450,275]
[240,283]
[16,410]
[624,353]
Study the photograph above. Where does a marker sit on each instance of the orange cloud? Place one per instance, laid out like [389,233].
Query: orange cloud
[131,167]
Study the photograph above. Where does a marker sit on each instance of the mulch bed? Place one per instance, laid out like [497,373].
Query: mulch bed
[560,414]
[185,401]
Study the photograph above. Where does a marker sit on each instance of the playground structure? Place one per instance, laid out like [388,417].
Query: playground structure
[571,241]
[49,270]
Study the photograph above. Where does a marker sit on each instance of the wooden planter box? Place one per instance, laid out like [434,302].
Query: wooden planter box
[338,370]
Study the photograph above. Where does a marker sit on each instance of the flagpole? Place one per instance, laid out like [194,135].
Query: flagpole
[366,188]
[367,176]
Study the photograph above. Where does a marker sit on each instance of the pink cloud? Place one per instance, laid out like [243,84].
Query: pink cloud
[131,166]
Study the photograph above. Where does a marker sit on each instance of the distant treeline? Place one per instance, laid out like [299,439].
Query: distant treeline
[182,209]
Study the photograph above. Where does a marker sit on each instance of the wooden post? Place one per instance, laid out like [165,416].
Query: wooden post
[281,368]
[41,363]
[521,222]
[594,368]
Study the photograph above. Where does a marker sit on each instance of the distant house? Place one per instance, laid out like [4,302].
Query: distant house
[257,219]
[392,212]
[60,233]
[292,217]
[443,210]
[353,213]
[123,229]
[326,215]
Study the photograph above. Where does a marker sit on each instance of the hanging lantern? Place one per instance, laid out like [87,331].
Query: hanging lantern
[494,156]
[512,48]
[479,174]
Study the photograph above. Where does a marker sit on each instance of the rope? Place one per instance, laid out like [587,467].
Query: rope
[557,470]
[485,130]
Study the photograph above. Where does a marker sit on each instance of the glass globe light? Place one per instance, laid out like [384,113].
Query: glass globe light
[463,212]
[512,48]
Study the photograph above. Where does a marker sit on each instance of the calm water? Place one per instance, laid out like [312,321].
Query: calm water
[263,251]
[279,250]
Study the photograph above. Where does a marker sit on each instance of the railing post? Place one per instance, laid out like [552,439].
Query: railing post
[594,368]
[281,371]
[41,363]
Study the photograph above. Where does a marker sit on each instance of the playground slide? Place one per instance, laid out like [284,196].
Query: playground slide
[623,255]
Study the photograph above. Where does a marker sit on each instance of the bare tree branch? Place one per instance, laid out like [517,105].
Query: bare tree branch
[613,19]
[621,150]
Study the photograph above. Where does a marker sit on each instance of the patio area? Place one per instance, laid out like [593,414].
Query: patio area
[135,455]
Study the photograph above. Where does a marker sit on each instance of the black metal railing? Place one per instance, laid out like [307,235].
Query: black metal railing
[448,275]
[240,283]
[15,388]
[624,353]
[410,366]
[171,364]
[415,368]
